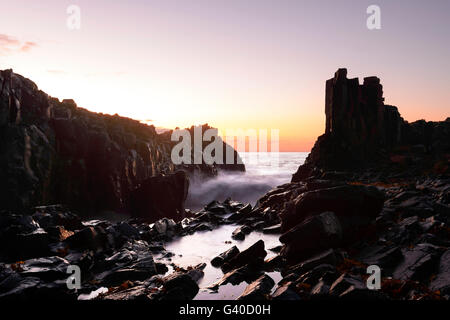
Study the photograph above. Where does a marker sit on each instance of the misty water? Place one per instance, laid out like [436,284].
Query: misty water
[263,172]
[200,247]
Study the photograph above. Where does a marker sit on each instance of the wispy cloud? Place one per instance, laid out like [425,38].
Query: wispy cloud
[9,45]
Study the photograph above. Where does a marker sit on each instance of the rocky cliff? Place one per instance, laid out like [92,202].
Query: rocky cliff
[362,133]
[55,152]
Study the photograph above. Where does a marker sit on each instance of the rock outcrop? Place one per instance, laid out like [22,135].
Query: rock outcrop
[361,133]
[55,152]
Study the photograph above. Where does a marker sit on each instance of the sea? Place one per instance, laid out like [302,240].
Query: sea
[264,171]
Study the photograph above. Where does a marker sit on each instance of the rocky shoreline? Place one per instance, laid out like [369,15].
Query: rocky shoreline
[375,190]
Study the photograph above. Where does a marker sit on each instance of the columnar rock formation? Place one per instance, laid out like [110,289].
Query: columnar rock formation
[362,132]
[55,152]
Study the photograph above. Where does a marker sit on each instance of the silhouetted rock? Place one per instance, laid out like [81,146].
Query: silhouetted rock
[55,152]
[160,196]
[362,132]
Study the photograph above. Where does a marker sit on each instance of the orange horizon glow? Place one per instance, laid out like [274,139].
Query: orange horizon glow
[233,64]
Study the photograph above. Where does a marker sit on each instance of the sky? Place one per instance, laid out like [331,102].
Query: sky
[234,64]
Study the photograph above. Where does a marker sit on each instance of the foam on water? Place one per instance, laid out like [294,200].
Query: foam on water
[261,175]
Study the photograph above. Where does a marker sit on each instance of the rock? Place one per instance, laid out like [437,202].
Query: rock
[328,257]
[46,269]
[354,206]
[138,293]
[258,290]
[93,238]
[386,258]
[273,229]
[179,286]
[442,280]
[239,233]
[225,256]
[58,233]
[313,235]
[362,133]
[160,196]
[273,263]
[29,245]
[165,227]
[19,289]
[285,292]
[345,282]
[419,263]
[253,256]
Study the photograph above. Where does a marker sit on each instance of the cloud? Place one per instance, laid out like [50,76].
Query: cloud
[28,46]
[9,45]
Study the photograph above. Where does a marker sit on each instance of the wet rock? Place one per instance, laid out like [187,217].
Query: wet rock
[239,233]
[138,293]
[258,290]
[179,286]
[225,256]
[165,228]
[313,235]
[419,263]
[345,282]
[386,258]
[353,205]
[273,263]
[19,289]
[254,256]
[58,233]
[47,269]
[285,292]
[328,257]
[93,238]
[442,280]
[275,229]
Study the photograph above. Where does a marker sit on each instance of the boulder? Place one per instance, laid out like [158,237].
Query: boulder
[252,256]
[354,205]
[313,235]
[442,280]
[419,263]
[161,196]
[258,290]
[225,256]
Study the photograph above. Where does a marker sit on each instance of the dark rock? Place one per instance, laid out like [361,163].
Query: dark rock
[273,263]
[285,292]
[160,196]
[313,235]
[353,205]
[345,282]
[254,256]
[258,290]
[419,263]
[225,257]
[386,258]
[93,238]
[442,280]
[273,229]
[328,257]
[239,233]
[47,269]
[179,286]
